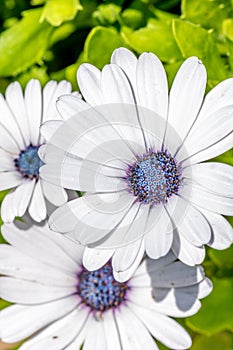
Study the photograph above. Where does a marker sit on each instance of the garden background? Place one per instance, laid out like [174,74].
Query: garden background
[49,39]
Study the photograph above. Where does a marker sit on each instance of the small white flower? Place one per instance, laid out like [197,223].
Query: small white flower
[21,117]
[61,305]
[139,152]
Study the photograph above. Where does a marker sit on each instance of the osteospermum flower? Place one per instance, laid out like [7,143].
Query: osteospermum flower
[139,152]
[61,305]
[21,117]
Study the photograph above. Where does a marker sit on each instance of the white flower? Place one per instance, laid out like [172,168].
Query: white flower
[139,152]
[21,117]
[61,305]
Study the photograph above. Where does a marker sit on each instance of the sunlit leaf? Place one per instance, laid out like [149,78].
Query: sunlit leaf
[107,14]
[216,312]
[220,341]
[223,258]
[24,43]
[100,44]
[207,13]
[156,37]
[226,157]
[196,41]
[58,11]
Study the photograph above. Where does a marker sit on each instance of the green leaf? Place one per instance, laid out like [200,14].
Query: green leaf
[196,41]
[24,44]
[223,258]
[107,14]
[218,341]
[156,37]
[216,312]
[209,14]
[226,157]
[132,18]
[100,44]
[228,32]
[58,11]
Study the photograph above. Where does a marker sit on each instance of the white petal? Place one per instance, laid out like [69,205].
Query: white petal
[16,202]
[135,337]
[194,227]
[166,330]
[86,175]
[54,194]
[222,232]
[113,339]
[177,303]
[93,216]
[98,133]
[126,260]
[186,95]
[186,252]
[95,337]
[70,105]
[48,129]
[51,92]
[215,177]
[148,266]
[64,219]
[176,275]
[94,259]
[9,142]
[33,103]
[17,322]
[10,179]
[6,161]
[152,84]
[69,246]
[221,95]
[27,292]
[115,85]
[7,209]
[88,78]
[210,201]
[13,123]
[37,208]
[159,239]
[16,264]
[39,242]
[201,290]
[60,334]
[207,136]
[22,197]
[127,61]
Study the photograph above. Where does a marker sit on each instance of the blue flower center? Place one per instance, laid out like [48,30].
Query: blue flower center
[154,177]
[99,290]
[28,162]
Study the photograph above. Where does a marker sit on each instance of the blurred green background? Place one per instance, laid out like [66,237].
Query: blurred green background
[49,39]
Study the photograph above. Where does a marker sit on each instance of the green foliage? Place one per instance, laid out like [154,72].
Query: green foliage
[47,39]
[218,341]
[58,11]
[216,312]
[202,45]
[100,44]
[17,44]
[156,37]
[208,13]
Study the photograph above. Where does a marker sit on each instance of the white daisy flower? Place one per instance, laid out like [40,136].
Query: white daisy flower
[61,305]
[139,152]
[21,117]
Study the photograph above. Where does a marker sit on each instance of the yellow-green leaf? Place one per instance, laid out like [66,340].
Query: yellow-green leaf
[58,11]
[24,44]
